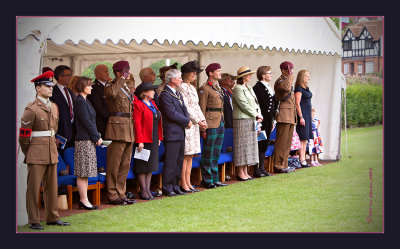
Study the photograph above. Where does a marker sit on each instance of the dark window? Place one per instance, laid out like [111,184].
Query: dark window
[368,44]
[347,46]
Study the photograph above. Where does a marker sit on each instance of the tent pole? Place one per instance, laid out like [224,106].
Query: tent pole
[198,77]
[345,121]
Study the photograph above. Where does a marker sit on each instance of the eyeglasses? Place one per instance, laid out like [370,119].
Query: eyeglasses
[67,74]
[269,73]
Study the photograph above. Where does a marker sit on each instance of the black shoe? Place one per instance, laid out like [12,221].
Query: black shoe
[58,223]
[158,193]
[209,185]
[251,178]
[284,170]
[220,184]
[81,205]
[186,191]
[36,226]
[258,175]
[118,201]
[170,194]
[177,191]
[143,198]
[128,201]
[194,190]
[263,171]
[240,179]
[130,195]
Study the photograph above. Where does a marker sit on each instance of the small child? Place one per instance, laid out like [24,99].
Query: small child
[315,144]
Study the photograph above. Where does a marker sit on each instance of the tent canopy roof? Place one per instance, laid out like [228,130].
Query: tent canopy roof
[105,35]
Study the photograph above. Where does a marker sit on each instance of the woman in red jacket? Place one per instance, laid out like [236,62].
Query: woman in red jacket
[148,135]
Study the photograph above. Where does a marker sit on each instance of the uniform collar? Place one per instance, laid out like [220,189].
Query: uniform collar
[43,99]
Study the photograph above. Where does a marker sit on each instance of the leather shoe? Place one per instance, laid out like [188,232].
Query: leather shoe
[128,201]
[118,201]
[186,191]
[241,179]
[263,171]
[130,195]
[36,226]
[220,184]
[170,194]
[177,191]
[258,175]
[209,185]
[58,223]
[194,190]
[284,170]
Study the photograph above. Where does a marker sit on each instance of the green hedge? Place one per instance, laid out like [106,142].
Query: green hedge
[364,105]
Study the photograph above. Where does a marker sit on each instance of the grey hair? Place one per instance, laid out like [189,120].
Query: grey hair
[171,74]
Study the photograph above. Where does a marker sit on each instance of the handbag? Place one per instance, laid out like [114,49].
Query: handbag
[294,162]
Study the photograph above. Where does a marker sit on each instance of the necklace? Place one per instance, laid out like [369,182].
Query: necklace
[175,96]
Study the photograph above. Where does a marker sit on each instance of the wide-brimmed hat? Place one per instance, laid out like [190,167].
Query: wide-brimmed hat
[192,66]
[144,86]
[243,71]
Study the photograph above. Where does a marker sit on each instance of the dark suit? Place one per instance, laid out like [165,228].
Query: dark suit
[98,102]
[267,104]
[175,119]
[85,120]
[65,127]
[228,109]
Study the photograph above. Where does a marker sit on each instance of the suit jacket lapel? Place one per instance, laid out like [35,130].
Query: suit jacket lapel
[57,91]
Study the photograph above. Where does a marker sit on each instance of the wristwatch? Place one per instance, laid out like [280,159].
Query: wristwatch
[300,117]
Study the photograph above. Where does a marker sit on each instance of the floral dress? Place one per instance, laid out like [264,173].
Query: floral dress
[315,144]
[191,99]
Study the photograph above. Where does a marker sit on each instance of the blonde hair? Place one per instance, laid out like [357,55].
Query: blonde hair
[300,79]
[72,84]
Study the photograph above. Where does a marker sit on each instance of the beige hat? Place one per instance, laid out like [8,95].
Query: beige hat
[243,71]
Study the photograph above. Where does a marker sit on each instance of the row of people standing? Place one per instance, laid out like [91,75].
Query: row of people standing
[186,115]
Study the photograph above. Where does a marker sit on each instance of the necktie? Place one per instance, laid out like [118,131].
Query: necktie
[71,114]
[48,104]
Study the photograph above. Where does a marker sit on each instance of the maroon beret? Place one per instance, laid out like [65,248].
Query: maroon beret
[285,65]
[212,67]
[120,65]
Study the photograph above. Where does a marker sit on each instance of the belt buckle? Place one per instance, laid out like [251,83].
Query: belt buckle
[52,133]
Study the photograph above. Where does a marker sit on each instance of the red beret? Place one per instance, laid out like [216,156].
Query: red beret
[212,67]
[285,65]
[44,78]
[120,65]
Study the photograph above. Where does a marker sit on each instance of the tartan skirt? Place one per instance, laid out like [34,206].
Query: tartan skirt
[245,142]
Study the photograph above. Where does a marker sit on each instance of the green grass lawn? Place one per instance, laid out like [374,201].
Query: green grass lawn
[331,198]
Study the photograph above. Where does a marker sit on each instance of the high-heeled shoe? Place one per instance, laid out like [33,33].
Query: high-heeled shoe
[143,198]
[81,205]
[240,179]
[194,190]
[186,191]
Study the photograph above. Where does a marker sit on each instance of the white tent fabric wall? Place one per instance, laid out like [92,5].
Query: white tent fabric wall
[311,43]
[27,51]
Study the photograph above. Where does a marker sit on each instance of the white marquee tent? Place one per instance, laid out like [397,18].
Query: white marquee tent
[311,43]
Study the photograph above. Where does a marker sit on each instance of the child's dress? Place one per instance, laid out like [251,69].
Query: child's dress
[295,141]
[315,145]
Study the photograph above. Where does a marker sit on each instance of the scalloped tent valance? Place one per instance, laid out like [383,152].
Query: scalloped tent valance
[316,35]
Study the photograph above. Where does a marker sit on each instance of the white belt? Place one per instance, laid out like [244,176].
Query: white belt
[49,133]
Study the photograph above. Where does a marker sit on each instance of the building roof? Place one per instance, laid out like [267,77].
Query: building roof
[375,28]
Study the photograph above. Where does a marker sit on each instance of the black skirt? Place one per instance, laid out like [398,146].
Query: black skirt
[151,165]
